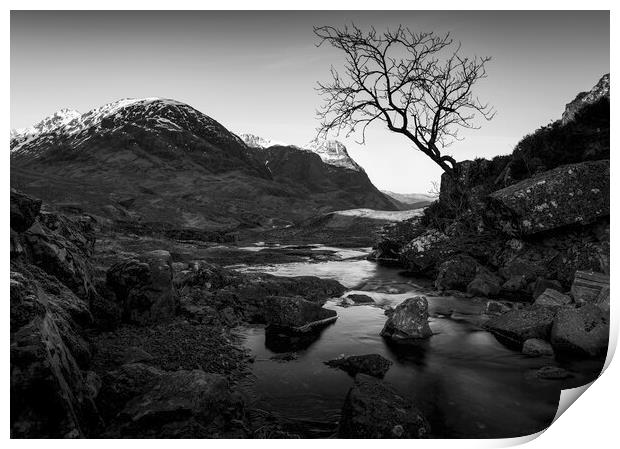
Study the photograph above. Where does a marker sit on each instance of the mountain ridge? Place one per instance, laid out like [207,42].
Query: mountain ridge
[158,160]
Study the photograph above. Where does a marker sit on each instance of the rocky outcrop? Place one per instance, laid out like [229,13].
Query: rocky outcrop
[58,245]
[371,364]
[581,331]
[211,293]
[515,327]
[408,322]
[24,210]
[49,394]
[575,194]
[372,409]
[600,90]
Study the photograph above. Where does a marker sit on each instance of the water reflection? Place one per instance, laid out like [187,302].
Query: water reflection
[465,381]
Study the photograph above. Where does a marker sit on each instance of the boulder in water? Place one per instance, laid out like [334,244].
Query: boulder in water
[360,299]
[370,364]
[535,347]
[408,321]
[373,409]
[296,314]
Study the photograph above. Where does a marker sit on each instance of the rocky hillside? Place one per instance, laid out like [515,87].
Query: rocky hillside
[158,163]
[519,222]
[530,230]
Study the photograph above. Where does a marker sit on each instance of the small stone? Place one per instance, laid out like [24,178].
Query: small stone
[535,347]
[552,373]
[360,299]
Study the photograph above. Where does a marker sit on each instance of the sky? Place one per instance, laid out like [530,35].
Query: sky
[256,71]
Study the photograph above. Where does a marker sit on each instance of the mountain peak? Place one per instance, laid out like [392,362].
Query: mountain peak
[600,90]
[254,141]
[331,152]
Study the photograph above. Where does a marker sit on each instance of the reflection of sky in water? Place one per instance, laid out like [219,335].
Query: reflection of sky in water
[466,383]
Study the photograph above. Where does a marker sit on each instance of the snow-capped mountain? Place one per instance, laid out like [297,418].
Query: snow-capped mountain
[254,141]
[179,167]
[331,152]
[48,124]
[75,129]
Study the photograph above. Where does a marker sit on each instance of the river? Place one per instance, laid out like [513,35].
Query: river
[466,383]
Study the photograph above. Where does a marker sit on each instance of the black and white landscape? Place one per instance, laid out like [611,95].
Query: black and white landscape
[173,277]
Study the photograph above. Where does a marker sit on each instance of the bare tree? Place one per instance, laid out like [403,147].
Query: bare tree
[418,84]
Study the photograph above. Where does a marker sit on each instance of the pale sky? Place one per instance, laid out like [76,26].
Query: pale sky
[256,71]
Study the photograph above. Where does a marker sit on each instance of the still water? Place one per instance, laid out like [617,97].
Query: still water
[466,383]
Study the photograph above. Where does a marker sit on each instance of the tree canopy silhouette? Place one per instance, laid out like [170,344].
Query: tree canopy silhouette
[418,84]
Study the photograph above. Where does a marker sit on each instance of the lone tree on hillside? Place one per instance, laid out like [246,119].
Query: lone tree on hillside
[418,84]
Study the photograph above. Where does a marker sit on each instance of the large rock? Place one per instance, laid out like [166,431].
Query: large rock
[552,298]
[24,210]
[456,273]
[602,301]
[182,404]
[567,195]
[370,364]
[50,397]
[372,409]
[296,314]
[588,285]
[144,287]
[541,284]
[408,321]
[582,331]
[62,248]
[143,401]
[392,238]
[535,347]
[425,252]
[484,284]
[515,327]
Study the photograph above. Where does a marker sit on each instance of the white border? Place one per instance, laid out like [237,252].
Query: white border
[590,422]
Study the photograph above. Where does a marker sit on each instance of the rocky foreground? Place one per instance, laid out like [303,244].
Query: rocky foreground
[140,346]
